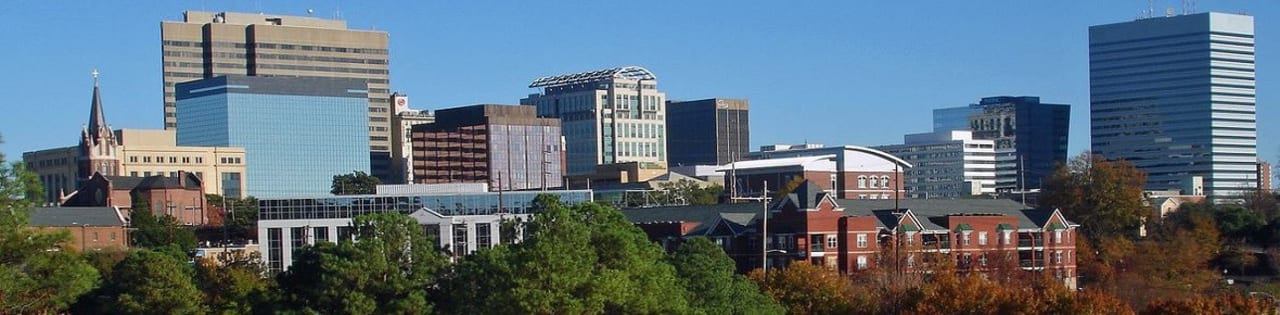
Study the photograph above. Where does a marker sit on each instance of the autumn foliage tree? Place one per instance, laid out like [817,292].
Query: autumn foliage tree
[1105,197]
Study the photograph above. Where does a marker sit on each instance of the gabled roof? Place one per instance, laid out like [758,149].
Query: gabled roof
[807,196]
[75,216]
[628,72]
[932,212]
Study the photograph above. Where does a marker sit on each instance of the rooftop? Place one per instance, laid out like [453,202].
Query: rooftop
[76,216]
[628,72]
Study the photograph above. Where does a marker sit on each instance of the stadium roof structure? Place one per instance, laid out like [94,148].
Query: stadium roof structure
[628,72]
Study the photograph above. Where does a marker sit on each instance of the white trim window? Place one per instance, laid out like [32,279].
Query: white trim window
[862,262]
[1007,237]
[862,240]
[862,182]
[833,242]
[982,238]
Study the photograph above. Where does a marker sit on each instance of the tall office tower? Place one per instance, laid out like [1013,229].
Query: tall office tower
[947,164]
[1176,96]
[298,132]
[207,44]
[714,131]
[507,147]
[401,137]
[1030,136]
[609,116]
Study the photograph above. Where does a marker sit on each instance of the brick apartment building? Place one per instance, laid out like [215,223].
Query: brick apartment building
[856,235]
[180,196]
[91,228]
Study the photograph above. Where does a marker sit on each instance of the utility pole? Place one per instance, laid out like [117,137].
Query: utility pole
[764,225]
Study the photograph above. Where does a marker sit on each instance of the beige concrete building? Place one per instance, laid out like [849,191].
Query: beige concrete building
[402,141]
[208,44]
[136,153]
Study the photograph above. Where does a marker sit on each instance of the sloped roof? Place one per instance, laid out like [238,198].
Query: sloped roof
[152,182]
[807,196]
[75,216]
[932,212]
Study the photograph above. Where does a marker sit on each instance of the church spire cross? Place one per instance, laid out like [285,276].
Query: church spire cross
[95,76]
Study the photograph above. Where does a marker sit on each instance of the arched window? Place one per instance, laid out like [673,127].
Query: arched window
[862,182]
[884,181]
[872,183]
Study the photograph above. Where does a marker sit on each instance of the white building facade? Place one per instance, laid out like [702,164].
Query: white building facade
[947,164]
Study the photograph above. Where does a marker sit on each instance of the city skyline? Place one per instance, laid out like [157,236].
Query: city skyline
[822,71]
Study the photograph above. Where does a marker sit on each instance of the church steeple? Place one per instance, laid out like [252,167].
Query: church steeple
[98,144]
[97,119]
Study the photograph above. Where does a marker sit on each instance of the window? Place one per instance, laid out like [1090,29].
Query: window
[345,233]
[274,253]
[482,235]
[884,182]
[298,239]
[113,236]
[134,174]
[833,242]
[173,159]
[982,238]
[1057,237]
[133,159]
[910,238]
[146,174]
[982,260]
[320,234]
[964,238]
[872,183]
[862,240]
[146,159]
[186,160]
[1007,237]
[95,236]
[199,160]
[816,242]
[432,231]
[911,260]
[231,185]
[459,240]
[862,262]
[1057,257]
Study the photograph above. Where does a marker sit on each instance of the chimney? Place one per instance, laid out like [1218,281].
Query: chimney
[182,179]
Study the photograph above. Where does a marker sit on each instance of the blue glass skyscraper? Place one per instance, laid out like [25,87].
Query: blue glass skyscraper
[1177,97]
[298,132]
[1030,136]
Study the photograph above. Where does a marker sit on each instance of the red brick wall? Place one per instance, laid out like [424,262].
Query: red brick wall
[93,237]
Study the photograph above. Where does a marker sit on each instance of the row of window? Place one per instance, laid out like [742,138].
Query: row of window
[873,182]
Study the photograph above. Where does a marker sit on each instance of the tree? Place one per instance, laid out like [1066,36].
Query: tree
[711,285]
[692,193]
[803,288]
[149,282]
[232,282]
[388,269]
[1105,197]
[355,183]
[161,233]
[584,259]
[241,216]
[38,273]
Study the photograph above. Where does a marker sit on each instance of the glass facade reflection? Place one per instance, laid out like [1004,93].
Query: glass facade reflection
[340,207]
[298,132]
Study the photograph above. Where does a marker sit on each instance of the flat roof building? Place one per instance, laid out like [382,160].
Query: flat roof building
[714,131]
[1030,137]
[301,130]
[507,147]
[209,44]
[608,116]
[947,164]
[1177,97]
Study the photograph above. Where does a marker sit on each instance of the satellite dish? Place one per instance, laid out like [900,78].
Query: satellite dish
[310,11]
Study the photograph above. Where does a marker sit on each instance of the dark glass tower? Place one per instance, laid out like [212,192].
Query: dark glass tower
[1030,137]
[713,131]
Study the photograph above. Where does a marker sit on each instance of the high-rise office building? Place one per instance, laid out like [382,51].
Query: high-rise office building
[608,116]
[714,131]
[298,131]
[1176,97]
[1030,137]
[947,164]
[208,44]
[507,147]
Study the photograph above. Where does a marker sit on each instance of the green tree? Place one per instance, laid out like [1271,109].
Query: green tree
[388,269]
[693,193]
[149,282]
[354,183]
[161,233]
[232,282]
[37,272]
[711,285]
[584,259]
[241,216]
[1105,197]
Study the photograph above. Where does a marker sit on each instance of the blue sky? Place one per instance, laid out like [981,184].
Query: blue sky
[832,72]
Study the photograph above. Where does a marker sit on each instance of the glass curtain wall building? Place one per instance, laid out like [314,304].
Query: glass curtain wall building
[1176,96]
[1030,137]
[713,131]
[609,116]
[298,132]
